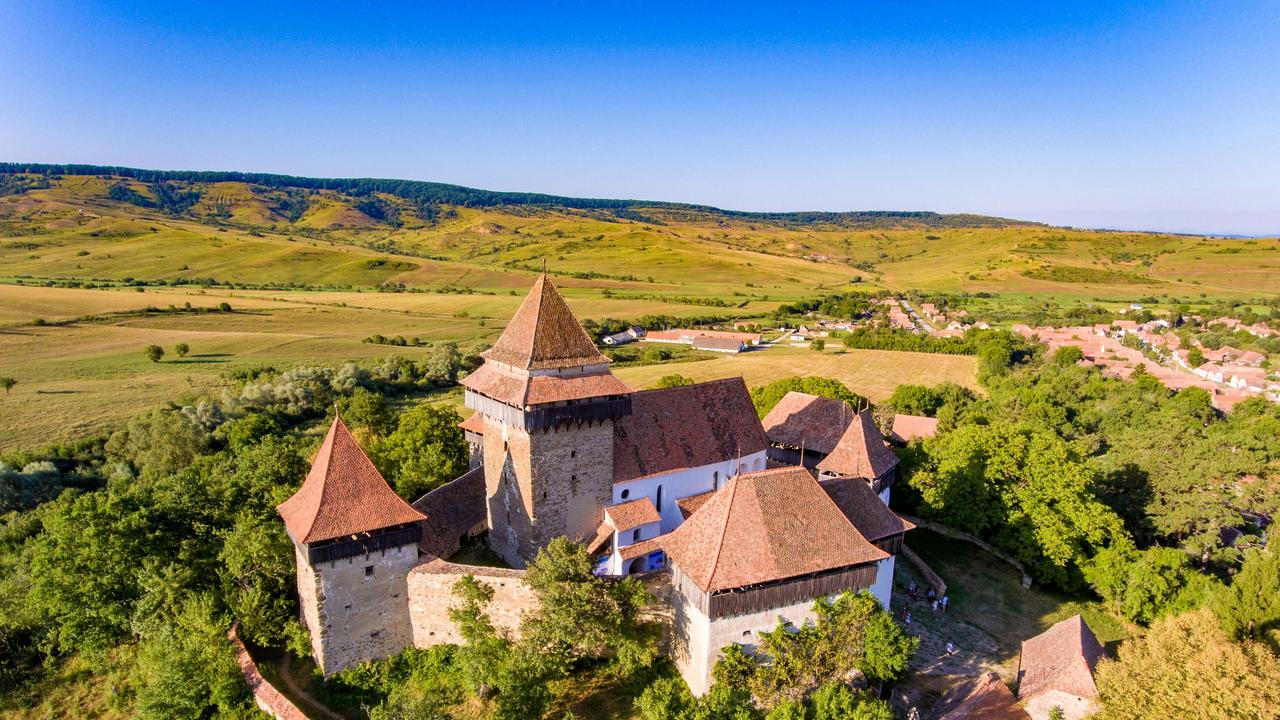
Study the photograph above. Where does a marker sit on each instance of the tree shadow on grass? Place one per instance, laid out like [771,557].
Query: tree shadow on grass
[197,360]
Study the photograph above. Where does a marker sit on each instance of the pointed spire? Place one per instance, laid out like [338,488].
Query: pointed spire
[344,494]
[544,333]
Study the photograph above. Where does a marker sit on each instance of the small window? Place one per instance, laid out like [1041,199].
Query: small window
[715,480]
[746,633]
[368,571]
[573,453]
[624,494]
[658,502]
[635,535]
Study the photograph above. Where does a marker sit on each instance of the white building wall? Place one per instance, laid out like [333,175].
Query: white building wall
[883,586]
[884,496]
[623,538]
[683,483]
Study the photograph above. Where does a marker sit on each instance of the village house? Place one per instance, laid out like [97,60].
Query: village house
[672,483]
[1056,668]
[624,337]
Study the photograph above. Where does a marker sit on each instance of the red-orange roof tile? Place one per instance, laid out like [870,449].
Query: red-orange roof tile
[983,698]
[766,526]
[864,508]
[632,514]
[635,550]
[1060,658]
[524,391]
[343,494]
[473,424]
[544,334]
[685,427]
[804,420]
[690,504]
[861,451]
[909,427]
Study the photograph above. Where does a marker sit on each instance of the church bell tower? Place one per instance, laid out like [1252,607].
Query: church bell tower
[548,404]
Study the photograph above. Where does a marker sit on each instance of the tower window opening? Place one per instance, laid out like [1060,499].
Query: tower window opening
[368,571]
[635,535]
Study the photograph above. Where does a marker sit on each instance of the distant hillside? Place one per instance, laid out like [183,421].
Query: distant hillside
[427,194]
[92,225]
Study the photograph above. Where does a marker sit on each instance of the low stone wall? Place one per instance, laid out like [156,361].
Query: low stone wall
[930,576]
[431,596]
[268,699]
[962,535]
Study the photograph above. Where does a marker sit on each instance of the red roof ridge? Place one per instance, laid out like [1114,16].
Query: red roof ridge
[724,528]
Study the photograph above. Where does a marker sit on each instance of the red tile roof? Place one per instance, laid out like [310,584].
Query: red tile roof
[544,334]
[635,550]
[718,344]
[632,514]
[909,427]
[685,427]
[1060,658]
[983,698]
[864,508]
[861,451]
[766,526]
[473,424]
[343,494]
[690,504]
[524,391]
[803,419]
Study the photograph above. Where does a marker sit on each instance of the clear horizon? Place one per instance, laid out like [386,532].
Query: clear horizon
[1148,116]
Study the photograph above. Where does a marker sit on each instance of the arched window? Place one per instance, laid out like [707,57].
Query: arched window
[658,503]
[715,480]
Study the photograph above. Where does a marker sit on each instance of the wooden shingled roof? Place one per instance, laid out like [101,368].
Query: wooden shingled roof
[861,451]
[763,527]
[343,495]
[544,334]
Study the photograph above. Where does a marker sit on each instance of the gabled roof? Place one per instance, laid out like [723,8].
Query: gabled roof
[804,420]
[343,494]
[861,451]
[690,503]
[1060,658]
[863,507]
[909,427]
[766,526]
[544,334]
[473,424]
[686,427]
[986,697]
[632,514]
[522,390]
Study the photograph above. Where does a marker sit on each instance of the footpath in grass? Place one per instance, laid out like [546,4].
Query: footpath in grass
[989,614]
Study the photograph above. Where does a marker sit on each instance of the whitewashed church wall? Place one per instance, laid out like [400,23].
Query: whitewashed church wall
[683,483]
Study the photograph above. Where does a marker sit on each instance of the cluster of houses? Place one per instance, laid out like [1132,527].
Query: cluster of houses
[1230,375]
[722,341]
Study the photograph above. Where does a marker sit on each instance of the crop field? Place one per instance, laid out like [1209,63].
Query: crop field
[310,287]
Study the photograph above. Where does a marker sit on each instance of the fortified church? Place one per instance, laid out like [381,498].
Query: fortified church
[736,522]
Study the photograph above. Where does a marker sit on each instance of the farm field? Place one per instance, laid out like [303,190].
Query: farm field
[871,373]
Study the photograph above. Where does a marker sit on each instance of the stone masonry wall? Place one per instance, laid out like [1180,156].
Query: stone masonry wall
[545,483]
[357,608]
[431,596]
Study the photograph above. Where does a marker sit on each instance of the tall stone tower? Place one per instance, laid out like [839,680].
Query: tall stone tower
[548,403]
[355,542]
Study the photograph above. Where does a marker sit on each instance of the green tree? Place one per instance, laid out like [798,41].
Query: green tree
[835,701]
[258,578]
[367,413]
[188,670]
[1249,608]
[582,616]
[1144,585]
[673,380]
[666,698]
[1195,357]
[154,353]
[1068,355]
[425,451]
[764,397]
[818,344]
[181,349]
[443,364]
[247,431]
[7,382]
[1178,669]
[485,652]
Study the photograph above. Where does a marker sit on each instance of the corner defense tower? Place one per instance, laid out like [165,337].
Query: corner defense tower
[548,402]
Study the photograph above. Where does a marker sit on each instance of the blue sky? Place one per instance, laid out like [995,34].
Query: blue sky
[1159,115]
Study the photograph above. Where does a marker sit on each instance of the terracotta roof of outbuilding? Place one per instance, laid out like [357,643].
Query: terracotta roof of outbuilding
[343,494]
[800,419]
[864,508]
[474,424]
[544,334]
[686,427]
[452,510]
[632,513]
[909,427]
[524,391]
[1060,658]
[766,526]
[861,451]
[635,550]
[986,697]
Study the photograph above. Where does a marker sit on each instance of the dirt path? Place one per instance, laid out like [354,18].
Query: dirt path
[311,706]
